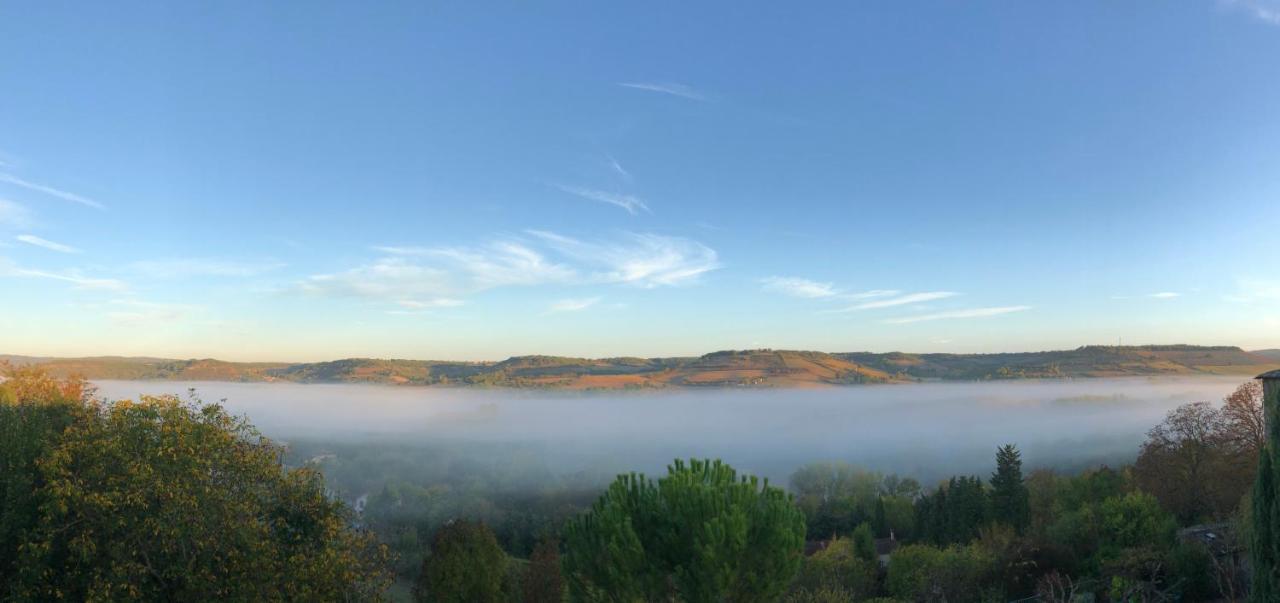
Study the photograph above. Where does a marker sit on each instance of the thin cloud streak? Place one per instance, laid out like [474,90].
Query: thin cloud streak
[573,305]
[8,268]
[969,313]
[443,302]
[872,294]
[46,244]
[910,298]
[1165,295]
[1267,11]
[632,204]
[618,169]
[644,260]
[671,88]
[540,258]
[799,287]
[49,190]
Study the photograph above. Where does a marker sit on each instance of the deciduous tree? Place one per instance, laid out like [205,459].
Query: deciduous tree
[1189,463]
[162,499]
[544,580]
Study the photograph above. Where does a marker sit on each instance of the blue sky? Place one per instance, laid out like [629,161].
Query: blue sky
[477,180]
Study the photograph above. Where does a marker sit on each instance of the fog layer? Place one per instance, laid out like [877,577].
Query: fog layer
[925,430]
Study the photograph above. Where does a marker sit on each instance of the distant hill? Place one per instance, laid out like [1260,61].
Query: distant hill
[1083,362]
[747,368]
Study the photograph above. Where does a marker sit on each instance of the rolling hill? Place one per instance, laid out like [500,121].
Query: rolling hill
[747,368]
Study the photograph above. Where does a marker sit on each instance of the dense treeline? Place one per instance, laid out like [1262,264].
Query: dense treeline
[165,499]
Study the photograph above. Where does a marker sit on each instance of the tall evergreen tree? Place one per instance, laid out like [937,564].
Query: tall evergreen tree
[955,512]
[879,522]
[1010,501]
[1265,551]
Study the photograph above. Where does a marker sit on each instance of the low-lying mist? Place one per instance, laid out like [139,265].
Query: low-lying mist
[928,431]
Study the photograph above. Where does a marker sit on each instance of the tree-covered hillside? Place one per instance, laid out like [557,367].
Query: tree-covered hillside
[745,368]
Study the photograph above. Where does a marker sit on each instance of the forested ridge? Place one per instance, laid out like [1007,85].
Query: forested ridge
[169,498]
[752,368]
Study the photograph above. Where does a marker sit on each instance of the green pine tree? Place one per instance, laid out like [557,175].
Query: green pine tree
[879,522]
[1010,501]
[702,533]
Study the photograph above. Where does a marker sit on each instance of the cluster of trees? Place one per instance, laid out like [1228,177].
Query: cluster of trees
[1110,534]
[162,499]
[165,499]
[837,497]
[1201,459]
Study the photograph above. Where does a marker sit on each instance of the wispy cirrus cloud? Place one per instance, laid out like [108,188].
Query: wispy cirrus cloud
[872,294]
[573,305]
[799,287]
[440,302]
[811,289]
[633,205]
[645,260]
[504,263]
[672,88]
[49,190]
[46,244]
[618,169]
[75,277]
[407,272]
[390,279]
[954,314]
[1267,11]
[898,300]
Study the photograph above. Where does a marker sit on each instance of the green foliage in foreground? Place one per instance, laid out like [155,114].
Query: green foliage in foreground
[466,565]
[165,501]
[699,534]
[926,573]
[839,569]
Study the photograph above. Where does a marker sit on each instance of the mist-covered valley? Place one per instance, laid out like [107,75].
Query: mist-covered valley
[411,460]
[926,431]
